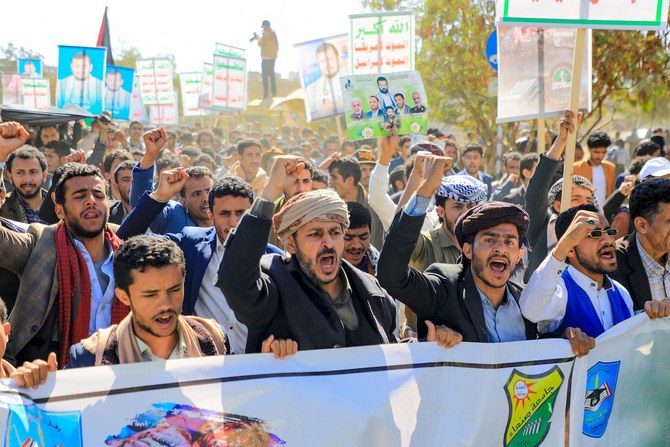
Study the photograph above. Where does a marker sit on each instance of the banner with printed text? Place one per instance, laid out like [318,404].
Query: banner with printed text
[155,81]
[164,114]
[528,394]
[137,110]
[221,49]
[229,90]
[190,93]
[206,86]
[603,14]
[36,93]
[382,42]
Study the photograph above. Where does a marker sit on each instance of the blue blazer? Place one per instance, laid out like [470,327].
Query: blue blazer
[484,178]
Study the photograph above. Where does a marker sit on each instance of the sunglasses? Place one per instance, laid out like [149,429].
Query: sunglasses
[598,232]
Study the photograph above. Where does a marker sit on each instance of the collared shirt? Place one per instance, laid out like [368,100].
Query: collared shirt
[32,216]
[101,300]
[658,275]
[505,323]
[545,298]
[344,306]
[179,351]
[212,303]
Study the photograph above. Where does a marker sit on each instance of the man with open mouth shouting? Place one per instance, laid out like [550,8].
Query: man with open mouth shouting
[581,294]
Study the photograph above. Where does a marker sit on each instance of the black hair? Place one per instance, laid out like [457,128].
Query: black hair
[143,252]
[527,162]
[196,172]
[71,170]
[347,167]
[565,218]
[472,147]
[247,142]
[190,151]
[167,161]
[319,175]
[647,148]
[399,94]
[381,78]
[3,311]
[203,133]
[645,198]
[204,158]
[598,139]
[359,216]
[128,164]
[230,186]
[110,158]
[637,164]
[61,148]
[26,152]
[514,155]
[398,174]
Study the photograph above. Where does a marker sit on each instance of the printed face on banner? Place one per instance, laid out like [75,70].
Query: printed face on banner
[375,104]
[321,63]
[30,67]
[119,90]
[382,43]
[81,71]
[535,71]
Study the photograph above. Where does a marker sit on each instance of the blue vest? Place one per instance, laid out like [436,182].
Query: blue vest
[580,313]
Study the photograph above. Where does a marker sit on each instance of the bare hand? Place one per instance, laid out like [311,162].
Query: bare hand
[170,183]
[583,223]
[329,160]
[12,136]
[121,139]
[580,343]
[657,309]
[514,179]
[280,348]
[389,145]
[32,374]
[284,173]
[444,336]
[568,124]
[154,141]
[627,185]
[76,157]
[434,170]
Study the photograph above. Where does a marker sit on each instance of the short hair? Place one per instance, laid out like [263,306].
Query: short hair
[3,311]
[119,154]
[143,252]
[399,94]
[647,148]
[359,216]
[72,170]
[381,78]
[61,148]
[26,152]
[167,161]
[124,165]
[389,107]
[346,144]
[398,174]
[190,151]
[404,140]
[514,155]
[204,158]
[565,218]
[527,162]
[327,46]
[319,175]
[230,186]
[598,139]
[49,126]
[332,139]
[196,172]
[347,167]
[186,136]
[637,164]
[645,198]
[203,133]
[247,142]
[473,147]
[136,122]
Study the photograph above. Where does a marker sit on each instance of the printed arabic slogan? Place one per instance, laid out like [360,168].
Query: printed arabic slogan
[206,87]
[155,81]
[230,83]
[190,93]
[36,93]
[374,104]
[382,43]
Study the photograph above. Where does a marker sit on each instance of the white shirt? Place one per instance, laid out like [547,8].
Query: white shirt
[211,303]
[600,182]
[179,351]
[545,298]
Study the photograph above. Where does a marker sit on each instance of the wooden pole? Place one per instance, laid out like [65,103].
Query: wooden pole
[575,85]
[540,136]
[339,127]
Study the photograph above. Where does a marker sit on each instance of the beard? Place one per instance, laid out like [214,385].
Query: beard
[594,265]
[384,90]
[37,190]
[307,266]
[77,229]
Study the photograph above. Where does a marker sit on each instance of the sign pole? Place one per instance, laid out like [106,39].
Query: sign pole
[540,135]
[575,84]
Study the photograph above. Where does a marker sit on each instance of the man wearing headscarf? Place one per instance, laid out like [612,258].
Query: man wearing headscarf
[313,297]
[474,297]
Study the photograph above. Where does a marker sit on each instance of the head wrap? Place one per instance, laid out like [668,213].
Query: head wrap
[577,180]
[462,188]
[322,205]
[489,215]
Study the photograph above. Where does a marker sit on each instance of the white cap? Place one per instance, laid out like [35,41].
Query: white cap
[656,167]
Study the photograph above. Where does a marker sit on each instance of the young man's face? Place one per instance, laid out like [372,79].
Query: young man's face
[302,183]
[472,161]
[227,212]
[81,67]
[596,256]
[366,171]
[374,103]
[27,177]
[400,101]
[136,131]
[85,209]
[451,211]
[597,155]
[251,160]
[155,298]
[494,254]
[196,197]
[339,184]
[122,188]
[48,134]
[53,160]
[356,243]
[512,166]
[579,196]
[318,246]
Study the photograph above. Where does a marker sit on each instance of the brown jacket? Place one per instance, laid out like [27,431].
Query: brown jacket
[583,168]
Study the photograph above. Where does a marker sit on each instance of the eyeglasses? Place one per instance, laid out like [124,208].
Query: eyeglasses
[598,232]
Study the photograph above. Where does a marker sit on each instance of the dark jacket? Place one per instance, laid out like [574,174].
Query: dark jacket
[273,296]
[13,210]
[537,207]
[117,212]
[444,294]
[630,272]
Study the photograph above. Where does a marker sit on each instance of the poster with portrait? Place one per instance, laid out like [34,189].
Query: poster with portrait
[36,93]
[11,88]
[322,62]
[119,91]
[229,89]
[81,71]
[207,86]
[30,67]
[190,93]
[374,104]
[137,110]
[382,42]
[156,81]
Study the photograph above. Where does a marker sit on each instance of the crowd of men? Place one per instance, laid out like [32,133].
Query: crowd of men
[165,244]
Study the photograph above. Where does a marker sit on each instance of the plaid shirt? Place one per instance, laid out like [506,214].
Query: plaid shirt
[659,275]
[31,215]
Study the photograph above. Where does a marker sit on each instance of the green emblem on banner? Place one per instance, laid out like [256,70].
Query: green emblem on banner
[531,403]
[562,79]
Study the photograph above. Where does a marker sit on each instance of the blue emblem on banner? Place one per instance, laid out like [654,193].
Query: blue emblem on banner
[600,388]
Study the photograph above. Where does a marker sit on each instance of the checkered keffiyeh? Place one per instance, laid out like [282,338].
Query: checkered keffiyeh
[577,180]
[462,188]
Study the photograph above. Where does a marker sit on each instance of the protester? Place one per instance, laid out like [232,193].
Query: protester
[27,170]
[472,157]
[597,170]
[122,181]
[513,189]
[357,248]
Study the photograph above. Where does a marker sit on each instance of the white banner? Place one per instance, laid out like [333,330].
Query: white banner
[137,110]
[155,81]
[36,93]
[604,14]
[221,49]
[190,93]
[382,42]
[206,86]
[164,114]
[229,91]
[509,394]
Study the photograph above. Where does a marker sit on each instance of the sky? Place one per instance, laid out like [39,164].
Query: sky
[187,29]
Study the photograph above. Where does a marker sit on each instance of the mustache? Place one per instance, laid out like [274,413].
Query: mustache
[326,251]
